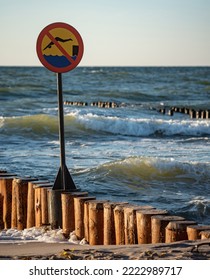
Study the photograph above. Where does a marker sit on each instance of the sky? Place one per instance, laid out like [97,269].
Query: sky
[114,32]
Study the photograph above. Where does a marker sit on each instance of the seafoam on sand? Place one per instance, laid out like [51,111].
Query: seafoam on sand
[41,234]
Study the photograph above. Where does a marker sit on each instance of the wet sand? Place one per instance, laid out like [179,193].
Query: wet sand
[183,250]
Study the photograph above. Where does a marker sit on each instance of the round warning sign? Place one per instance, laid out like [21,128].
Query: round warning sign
[59,47]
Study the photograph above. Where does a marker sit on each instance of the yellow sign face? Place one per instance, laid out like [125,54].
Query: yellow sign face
[65,38]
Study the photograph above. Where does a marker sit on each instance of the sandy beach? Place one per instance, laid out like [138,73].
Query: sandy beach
[183,250]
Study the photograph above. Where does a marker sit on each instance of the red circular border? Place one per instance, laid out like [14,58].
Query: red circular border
[39,49]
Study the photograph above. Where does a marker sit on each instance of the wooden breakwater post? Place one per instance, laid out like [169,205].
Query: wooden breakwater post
[96,222]
[193,231]
[41,203]
[6,199]
[1,212]
[79,215]
[207,114]
[68,217]
[205,234]
[86,219]
[177,231]
[19,202]
[31,206]
[143,218]
[158,226]
[192,113]
[130,222]
[44,204]
[203,114]
[119,225]
[109,223]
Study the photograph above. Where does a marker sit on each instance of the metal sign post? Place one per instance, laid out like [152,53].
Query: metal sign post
[60,49]
[63,179]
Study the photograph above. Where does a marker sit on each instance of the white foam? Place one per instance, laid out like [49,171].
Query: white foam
[142,126]
[200,200]
[41,234]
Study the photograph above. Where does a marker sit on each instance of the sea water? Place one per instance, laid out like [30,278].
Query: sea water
[127,153]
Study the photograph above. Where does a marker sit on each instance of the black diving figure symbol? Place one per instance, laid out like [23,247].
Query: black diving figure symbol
[58,39]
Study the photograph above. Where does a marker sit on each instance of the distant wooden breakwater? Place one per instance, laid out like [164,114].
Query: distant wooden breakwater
[29,202]
[193,113]
[100,104]
[170,111]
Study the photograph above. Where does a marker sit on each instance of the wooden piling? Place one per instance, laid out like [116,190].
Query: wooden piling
[207,114]
[205,234]
[158,225]
[119,225]
[170,112]
[86,220]
[14,207]
[177,231]
[21,192]
[37,202]
[31,203]
[41,202]
[143,218]
[198,114]
[1,212]
[96,222]
[79,215]
[192,113]
[6,193]
[130,222]
[162,110]
[203,114]
[193,231]
[44,204]
[68,217]
[30,209]
[109,224]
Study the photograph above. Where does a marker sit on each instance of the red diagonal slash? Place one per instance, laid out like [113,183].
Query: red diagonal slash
[64,52]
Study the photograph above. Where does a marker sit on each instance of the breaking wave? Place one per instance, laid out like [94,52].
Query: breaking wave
[148,169]
[162,183]
[43,124]
[143,126]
